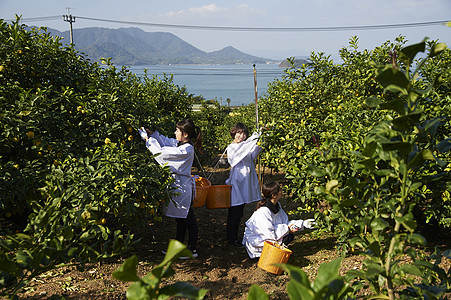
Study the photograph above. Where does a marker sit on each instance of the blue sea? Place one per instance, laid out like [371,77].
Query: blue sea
[220,82]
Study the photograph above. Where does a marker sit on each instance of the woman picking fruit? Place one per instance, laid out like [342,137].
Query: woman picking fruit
[178,154]
[241,154]
[269,222]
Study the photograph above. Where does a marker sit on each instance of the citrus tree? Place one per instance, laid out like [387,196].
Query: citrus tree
[73,169]
[372,165]
[320,108]
[374,189]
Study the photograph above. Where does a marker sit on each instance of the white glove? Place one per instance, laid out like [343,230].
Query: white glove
[143,133]
[296,225]
[309,223]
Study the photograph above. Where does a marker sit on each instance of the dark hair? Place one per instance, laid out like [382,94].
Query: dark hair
[194,134]
[239,126]
[269,189]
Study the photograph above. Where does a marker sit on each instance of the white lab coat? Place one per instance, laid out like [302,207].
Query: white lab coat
[243,178]
[179,159]
[264,225]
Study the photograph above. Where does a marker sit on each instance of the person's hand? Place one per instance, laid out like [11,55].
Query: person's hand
[293,228]
[309,223]
[143,133]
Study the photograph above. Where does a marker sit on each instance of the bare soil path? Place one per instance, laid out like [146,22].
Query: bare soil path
[225,271]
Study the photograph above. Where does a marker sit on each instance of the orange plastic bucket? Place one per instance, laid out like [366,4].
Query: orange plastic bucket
[219,196]
[202,186]
[272,254]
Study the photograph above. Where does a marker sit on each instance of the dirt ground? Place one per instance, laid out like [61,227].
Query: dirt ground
[225,271]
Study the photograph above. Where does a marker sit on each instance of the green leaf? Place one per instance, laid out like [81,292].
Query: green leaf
[352,274]
[327,272]
[369,149]
[8,266]
[418,239]
[296,274]
[23,259]
[444,145]
[420,158]
[378,224]
[403,147]
[407,122]
[349,203]
[375,247]
[373,101]
[330,185]
[414,186]
[181,289]
[257,293]
[138,291]
[394,80]
[299,291]
[24,113]
[127,271]
[397,105]
[407,221]
[408,53]
[369,164]
[175,250]
[411,269]
[437,49]
[384,172]
[315,171]
[374,270]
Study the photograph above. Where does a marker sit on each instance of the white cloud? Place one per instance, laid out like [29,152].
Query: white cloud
[215,11]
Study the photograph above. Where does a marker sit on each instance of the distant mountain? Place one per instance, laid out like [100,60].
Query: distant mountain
[297,63]
[133,46]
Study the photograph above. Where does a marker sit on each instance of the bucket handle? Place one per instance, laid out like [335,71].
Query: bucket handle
[211,173]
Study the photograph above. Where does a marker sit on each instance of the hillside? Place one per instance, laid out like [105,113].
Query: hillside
[133,46]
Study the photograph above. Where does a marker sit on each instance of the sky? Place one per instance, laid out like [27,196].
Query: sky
[273,44]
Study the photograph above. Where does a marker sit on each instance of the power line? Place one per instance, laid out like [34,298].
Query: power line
[49,18]
[233,28]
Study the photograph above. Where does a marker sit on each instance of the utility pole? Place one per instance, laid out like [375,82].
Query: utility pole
[70,19]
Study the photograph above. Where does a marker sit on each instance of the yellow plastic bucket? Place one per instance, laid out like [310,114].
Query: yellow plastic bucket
[219,196]
[272,254]
[202,186]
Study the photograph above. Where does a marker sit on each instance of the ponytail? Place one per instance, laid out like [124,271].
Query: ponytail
[261,203]
[198,140]
[193,131]
[269,190]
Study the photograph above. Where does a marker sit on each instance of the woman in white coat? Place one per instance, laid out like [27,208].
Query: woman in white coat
[178,154]
[241,154]
[269,222]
